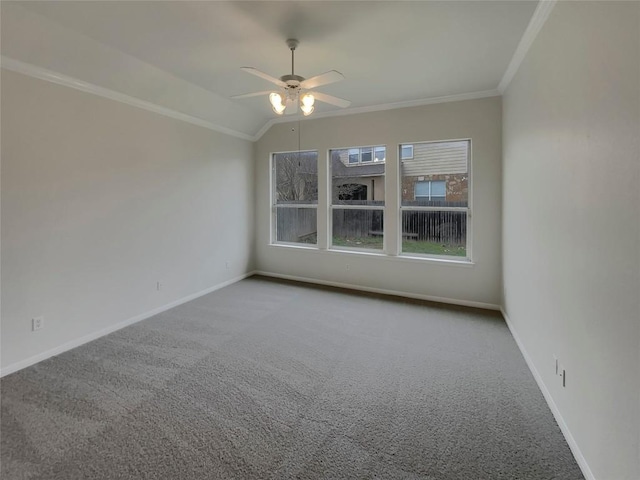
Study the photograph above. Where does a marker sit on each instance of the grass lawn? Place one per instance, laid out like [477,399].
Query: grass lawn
[359,242]
[433,248]
[408,246]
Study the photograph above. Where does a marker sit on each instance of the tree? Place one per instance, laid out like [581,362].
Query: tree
[296,177]
[349,191]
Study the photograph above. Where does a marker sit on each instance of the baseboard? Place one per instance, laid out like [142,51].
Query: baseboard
[397,293]
[14,367]
[575,449]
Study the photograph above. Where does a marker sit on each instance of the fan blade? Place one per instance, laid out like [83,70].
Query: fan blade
[266,76]
[326,78]
[338,102]
[254,94]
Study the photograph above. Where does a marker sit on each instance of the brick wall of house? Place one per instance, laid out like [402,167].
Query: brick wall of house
[457,186]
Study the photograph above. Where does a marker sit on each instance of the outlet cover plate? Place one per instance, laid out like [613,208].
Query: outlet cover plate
[37,323]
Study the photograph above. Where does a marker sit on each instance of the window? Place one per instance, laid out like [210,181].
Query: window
[366,155]
[406,151]
[355,156]
[434,198]
[357,198]
[295,197]
[430,190]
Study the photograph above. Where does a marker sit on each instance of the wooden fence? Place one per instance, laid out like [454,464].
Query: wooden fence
[444,227]
[298,225]
[357,223]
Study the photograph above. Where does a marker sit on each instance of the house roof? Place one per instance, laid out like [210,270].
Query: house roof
[339,169]
[310,167]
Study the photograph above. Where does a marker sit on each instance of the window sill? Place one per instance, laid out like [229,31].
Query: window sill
[415,259]
[301,246]
[358,251]
[463,262]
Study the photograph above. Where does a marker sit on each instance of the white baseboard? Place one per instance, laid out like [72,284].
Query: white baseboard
[582,462]
[431,298]
[14,367]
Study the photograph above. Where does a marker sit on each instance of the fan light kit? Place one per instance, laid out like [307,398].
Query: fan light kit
[296,90]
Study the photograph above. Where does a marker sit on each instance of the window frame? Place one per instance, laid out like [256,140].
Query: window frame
[431,196]
[376,149]
[273,234]
[469,208]
[369,151]
[360,162]
[331,206]
[349,154]
[406,145]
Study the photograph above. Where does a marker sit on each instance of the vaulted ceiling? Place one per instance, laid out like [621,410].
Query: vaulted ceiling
[186,56]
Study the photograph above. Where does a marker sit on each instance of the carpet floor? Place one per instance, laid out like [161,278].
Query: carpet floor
[275,380]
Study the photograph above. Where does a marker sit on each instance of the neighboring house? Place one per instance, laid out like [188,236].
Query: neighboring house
[431,172]
[435,172]
[358,174]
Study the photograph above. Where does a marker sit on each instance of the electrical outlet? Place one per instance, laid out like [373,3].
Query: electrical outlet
[37,323]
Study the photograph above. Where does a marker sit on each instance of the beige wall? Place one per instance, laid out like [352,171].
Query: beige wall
[100,201]
[479,120]
[572,223]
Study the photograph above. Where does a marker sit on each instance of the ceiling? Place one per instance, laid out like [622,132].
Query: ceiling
[186,56]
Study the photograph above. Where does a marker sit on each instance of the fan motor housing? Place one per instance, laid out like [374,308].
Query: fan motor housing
[292,80]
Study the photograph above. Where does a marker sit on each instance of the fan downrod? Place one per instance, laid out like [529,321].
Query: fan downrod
[293,80]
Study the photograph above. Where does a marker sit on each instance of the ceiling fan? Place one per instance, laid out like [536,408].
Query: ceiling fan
[294,89]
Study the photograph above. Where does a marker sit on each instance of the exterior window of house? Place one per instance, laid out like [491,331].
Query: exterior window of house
[406,151]
[366,155]
[357,199]
[294,197]
[360,155]
[434,203]
[354,155]
[431,190]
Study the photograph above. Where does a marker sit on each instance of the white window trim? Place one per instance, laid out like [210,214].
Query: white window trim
[273,233]
[407,145]
[331,206]
[380,255]
[469,209]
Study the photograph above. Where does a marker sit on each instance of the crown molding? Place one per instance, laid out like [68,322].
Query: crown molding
[55,77]
[65,80]
[538,19]
[378,108]
[265,128]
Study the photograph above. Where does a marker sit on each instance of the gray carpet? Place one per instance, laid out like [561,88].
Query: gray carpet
[276,380]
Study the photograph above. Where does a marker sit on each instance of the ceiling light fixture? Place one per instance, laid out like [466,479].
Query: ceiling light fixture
[296,90]
[306,104]
[276,103]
